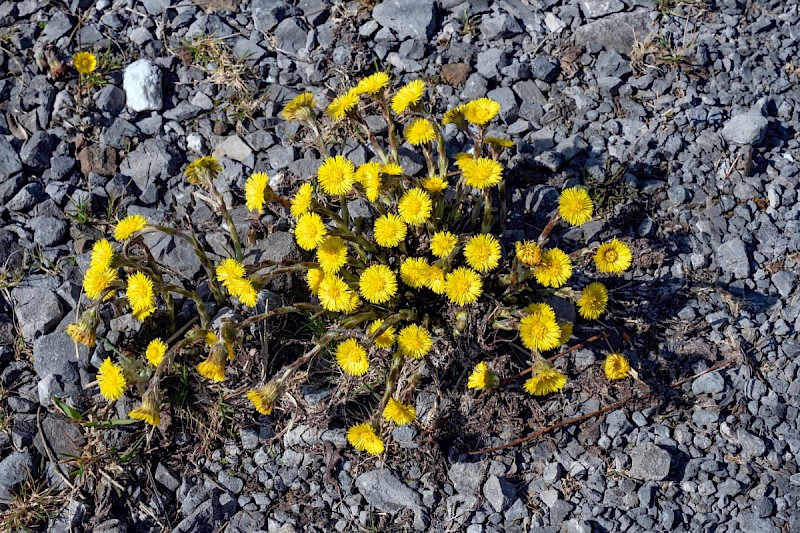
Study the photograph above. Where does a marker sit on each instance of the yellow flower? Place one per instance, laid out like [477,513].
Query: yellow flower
[385,339]
[463,286]
[300,107]
[373,84]
[414,341]
[301,201]
[575,206]
[342,105]
[336,175]
[364,439]
[399,413]
[419,131]
[389,230]
[392,169]
[352,357]
[554,269]
[332,254]
[205,168]
[498,142]
[539,331]
[443,243]
[378,284]
[616,366]
[434,183]
[111,381]
[481,111]
[462,159]
[482,378]
[372,185]
[545,379]
[613,257]
[334,294]
[257,191]
[409,95]
[84,62]
[229,271]
[155,351]
[140,295]
[482,172]
[244,290]
[593,301]
[310,231]
[98,279]
[528,253]
[435,281]
[353,304]
[566,332]
[414,271]
[415,206]
[454,116]
[128,226]
[482,252]
[213,367]
[150,410]
[102,254]
[84,330]
[314,277]
[541,309]
[264,399]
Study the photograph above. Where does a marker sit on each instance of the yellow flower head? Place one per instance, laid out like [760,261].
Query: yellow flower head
[613,257]
[140,295]
[593,301]
[539,331]
[616,366]
[545,379]
[481,111]
[128,226]
[155,351]
[369,176]
[409,95]
[434,183]
[481,173]
[84,62]
[111,381]
[566,332]
[419,131]
[414,271]
[385,339]
[150,410]
[498,143]
[310,231]
[554,269]
[454,116]
[84,331]
[229,271]
[332,254]
[541,309]
[257,191]
[98,279]
[435,281]
[336,175]
[373,84]
[243,289]
[575,206]
[213,367]
[399,413]
[300,107]
[482,378]
[343,105]
[463,286]
[352,305]
[334,294]
[314,277]
[414,341]
[443,243]
[462,159]
[378,284]
[102,254]
[389,230]
[352,357]
[415,207]
[528,253]
[202,170]
[301,201]
[364,439]
[264,399]
[392,169]
[482,252]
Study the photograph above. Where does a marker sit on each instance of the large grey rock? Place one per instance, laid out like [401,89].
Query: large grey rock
[413,19]
[466,477]
[750,522]
[268,13]
[58,25]
[38,310]
[26,197]
[385,492]
[165,476]
[748,128]
[154,160]
[63,436]
[48,230]
[205,518]
[291,35]
[616,32]
[14,469]
[710,383]
[10,163]
[142,84]
[600,8]
[111,99]
[37,150]
[499,492]
[55,354]
[234,148]
[732,258]
[175,254]
[246,522]
[650,462]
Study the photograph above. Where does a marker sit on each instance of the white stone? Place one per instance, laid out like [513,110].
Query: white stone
[233,148]
[142,84]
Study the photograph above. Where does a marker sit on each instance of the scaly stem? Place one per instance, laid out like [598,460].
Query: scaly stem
[486,225]
[223,209]
[205,320]
[547,229]
[392,134]
[391,384]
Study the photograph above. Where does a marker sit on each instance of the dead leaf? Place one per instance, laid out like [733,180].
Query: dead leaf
[455,74]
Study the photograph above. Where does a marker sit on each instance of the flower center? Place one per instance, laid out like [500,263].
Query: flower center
[611,256]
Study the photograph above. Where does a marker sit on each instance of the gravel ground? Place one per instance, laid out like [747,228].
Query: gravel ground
[681,115]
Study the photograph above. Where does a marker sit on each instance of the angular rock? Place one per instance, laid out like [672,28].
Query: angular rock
[600,8]
[14,469]
[205,518]
[10,163]
[38,310]
[37,150]
[291,35]
[499,492]
[748,128]
[63,436]
[142,84]
[234,148]
[466,477]
[616,32]
[650,462]
[385,492]
[153,160]
[110,99]
[54,354]
[413,19]
[48,230]
[710,383]
[732,258]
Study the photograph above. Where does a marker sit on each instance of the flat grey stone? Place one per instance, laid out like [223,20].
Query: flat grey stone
[732,258]
[748,128]
[385,492]
[499,492]
[710,383]
[650,462]
[38,311]
[234,148]
[600,8]
[10,162]
[14,469]
[617,31]
[413,19]
[466,477]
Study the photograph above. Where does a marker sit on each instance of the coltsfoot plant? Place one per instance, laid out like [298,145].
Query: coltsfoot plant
[382,281]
